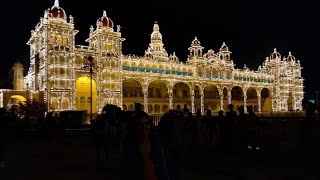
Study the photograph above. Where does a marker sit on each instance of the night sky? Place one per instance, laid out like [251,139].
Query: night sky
[250,29]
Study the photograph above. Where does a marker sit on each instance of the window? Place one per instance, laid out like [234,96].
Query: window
[59,39]
[89,99]
[82,99]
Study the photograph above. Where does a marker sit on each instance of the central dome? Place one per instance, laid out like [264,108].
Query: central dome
[104,21]
[57,12]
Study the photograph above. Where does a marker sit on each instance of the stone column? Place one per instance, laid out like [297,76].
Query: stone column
[193,110]
[229,97]
[245,101]
[171,99]
[145,100]
[259,104]
[202,103]
[294,103]
[221,102]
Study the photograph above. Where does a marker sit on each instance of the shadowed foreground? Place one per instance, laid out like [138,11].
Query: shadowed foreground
[74,158]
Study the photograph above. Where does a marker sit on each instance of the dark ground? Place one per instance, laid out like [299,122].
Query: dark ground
[74,158]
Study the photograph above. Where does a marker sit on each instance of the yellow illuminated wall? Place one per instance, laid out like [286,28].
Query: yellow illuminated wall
[15,99]
[83,94]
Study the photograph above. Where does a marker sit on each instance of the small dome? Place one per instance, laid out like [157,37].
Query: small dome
[275,55]
[210,54]
[104,21]
[18,64]
[57,12]
[195,42]
[290,58]
[224,47]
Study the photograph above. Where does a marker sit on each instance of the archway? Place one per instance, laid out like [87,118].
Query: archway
[266,101]
[124,106]
[158,97]
[83,94]
[237,97]
[181,95]
[252,98]
[16,99]
[54,104]
[211,98]
[65,104]
[132,92]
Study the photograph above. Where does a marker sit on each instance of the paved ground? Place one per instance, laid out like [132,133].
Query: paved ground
[74,158]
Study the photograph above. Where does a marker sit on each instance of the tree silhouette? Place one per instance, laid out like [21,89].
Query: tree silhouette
[32,109]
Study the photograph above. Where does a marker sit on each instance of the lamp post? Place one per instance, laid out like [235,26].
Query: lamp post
[90,65]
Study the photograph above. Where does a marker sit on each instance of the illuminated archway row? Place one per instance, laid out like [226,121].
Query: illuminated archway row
[158,95]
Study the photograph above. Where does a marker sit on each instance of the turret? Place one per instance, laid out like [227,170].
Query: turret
[195,49]
[224,53]
[17,76]
[156,47]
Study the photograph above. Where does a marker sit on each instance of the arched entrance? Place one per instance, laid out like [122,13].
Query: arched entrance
[65,104]
[181,95]
[15,100]
[237,97]
[132,93]
[54,104]
[83,98]
[211,98]
[252,98]
[157,97]
[266,101]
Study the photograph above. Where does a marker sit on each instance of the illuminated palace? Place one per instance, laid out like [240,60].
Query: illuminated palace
[158,80]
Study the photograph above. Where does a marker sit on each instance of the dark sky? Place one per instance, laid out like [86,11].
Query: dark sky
[250,29]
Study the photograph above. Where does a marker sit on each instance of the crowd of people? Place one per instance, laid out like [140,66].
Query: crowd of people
[149,152]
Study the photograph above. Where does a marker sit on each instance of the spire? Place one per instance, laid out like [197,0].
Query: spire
[156,46]
[56,3]
[104,13]
[156,27]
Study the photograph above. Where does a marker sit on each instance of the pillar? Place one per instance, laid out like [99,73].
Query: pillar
[229,97]
[259,104]
[171,99]
[193,110]
[245,101]
[202,103]
[145,100]
[221,102]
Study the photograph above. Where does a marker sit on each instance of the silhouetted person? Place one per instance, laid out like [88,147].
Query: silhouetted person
[209,123]
[242,128]
[230,127]
[138,163]
[252,126]
[221,126]
[101,137]
[178,107]
[4,135]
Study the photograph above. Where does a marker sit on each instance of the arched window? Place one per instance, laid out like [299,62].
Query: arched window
[82,99]
[53,38]
[65,40]
[59,39]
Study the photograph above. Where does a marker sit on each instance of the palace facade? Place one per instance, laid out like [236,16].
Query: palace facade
[158,80]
